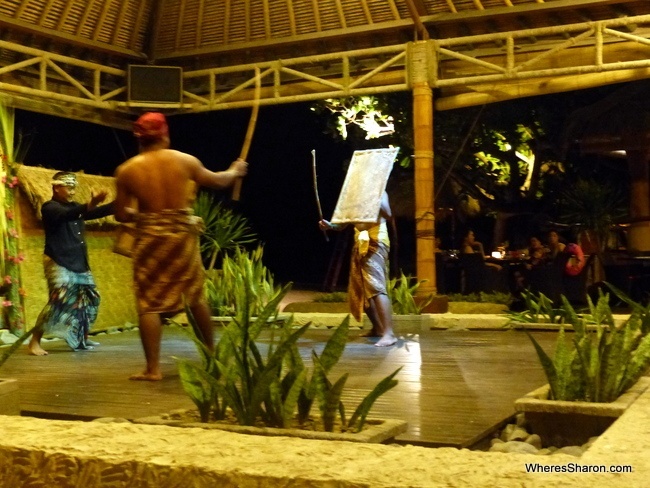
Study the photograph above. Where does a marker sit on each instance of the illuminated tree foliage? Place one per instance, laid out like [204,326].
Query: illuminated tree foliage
[500,160]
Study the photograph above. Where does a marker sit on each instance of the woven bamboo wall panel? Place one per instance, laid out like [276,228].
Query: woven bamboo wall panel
[365,182]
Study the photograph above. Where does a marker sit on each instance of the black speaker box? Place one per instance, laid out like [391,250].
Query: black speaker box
[155,84]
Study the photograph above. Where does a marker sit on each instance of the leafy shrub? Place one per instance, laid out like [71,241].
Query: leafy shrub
[401,291]
[538,309]
[482,297]
[402,295]
[224,229]
[222,286]
[604,363]
[334,297]
[237,378]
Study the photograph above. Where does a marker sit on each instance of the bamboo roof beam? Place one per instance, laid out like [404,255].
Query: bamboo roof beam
[341,14]
[119,24]
[84,18]
[292,18]
[316,12]
[267,19]
[415,15]
[179,25]
[199,29]
[226,22]
[102,18]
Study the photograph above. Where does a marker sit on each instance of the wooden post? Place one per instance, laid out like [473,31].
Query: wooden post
[424,188]
[638,237]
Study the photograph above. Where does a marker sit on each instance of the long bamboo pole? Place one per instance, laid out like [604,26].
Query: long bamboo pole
[236,190]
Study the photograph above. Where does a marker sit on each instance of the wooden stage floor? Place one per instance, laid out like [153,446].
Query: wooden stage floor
[455,386]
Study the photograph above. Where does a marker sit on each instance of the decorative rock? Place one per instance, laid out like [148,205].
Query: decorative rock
[589,442]
[514,446]
[517,434]
[544,452]
[520,420]
[534,440]
[507,430]
[570,450]
[112,420]
[498,447]
[496,440]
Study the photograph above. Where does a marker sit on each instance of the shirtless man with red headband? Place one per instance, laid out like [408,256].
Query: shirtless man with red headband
[154,190]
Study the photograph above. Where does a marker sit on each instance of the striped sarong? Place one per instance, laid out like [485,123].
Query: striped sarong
[73,304]
[368,269]
[167,266]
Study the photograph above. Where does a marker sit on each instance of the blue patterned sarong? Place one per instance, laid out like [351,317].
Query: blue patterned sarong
[73,304]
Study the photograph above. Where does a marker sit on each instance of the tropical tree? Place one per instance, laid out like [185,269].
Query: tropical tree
[489,160]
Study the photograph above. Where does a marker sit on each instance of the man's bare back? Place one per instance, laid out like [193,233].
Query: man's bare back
[166,179]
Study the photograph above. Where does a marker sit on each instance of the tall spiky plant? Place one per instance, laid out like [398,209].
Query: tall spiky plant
[270,388]
[225,230]
[603,363]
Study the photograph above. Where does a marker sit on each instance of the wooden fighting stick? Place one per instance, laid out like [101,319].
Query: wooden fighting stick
[236,190]
[320,210]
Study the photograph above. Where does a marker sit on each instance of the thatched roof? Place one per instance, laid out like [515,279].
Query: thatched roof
[36,184]
[70,58]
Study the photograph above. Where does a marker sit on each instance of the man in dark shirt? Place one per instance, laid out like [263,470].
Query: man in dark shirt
[73,297]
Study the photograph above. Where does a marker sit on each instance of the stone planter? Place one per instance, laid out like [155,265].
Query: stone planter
[477,308]
[317,307]
[9,397]
[225,320]
[564,423]
[375,431]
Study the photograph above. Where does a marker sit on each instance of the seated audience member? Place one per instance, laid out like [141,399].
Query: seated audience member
[576,261]
[536,252]
[554,243]
[470,246]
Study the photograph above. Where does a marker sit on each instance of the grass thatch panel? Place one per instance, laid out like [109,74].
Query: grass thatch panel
[113,272]
[36,185]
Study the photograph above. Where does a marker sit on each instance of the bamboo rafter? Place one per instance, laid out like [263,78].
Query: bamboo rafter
[354,72]
[503,65]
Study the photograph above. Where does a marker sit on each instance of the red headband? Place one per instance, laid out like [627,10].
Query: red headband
[152,126]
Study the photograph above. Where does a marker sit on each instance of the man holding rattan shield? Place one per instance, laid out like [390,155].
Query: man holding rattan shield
[367,288]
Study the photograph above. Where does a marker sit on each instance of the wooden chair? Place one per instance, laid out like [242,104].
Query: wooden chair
[547,278]
[477,276]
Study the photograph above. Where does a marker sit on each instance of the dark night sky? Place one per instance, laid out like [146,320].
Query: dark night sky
[277,195]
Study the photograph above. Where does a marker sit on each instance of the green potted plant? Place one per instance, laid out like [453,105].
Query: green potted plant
[223,286]
[241,385]
[595,372]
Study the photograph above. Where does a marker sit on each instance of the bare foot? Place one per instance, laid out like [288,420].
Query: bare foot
[146,377]
[386,341]
[36,350]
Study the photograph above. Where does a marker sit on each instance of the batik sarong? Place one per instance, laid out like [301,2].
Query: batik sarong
[368,268]
[167,267]
[73,304]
